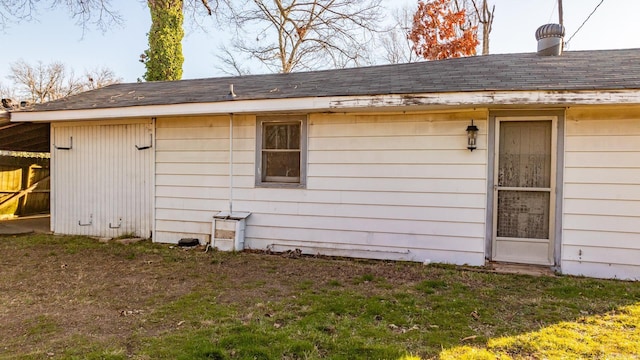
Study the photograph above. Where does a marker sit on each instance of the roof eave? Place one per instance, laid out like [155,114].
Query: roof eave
[421,101]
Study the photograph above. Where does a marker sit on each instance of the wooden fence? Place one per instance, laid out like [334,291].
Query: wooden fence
[24,186]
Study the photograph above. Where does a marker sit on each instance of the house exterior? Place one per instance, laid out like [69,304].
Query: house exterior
[369,162]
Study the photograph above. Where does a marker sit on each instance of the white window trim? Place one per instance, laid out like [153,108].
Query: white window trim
[260,120]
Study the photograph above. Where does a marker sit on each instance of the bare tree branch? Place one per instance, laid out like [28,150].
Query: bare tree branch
[99,77]
[479,13]
[202,20]
[14,10]
[291,35]
[206,5]
[230,64]
[98,13]
[101,14]
[7,92]
[484,16]
[45,82]
[86,13]
[395,43]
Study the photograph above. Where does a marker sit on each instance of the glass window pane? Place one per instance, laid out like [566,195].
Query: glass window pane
[272,136]
[293,136]
[525,154]
[523,214]
[281,136]
[281,164]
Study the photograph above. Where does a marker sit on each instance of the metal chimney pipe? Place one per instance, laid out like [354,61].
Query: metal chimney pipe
[550,39]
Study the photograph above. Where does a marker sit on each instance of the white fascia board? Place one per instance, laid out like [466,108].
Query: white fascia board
[345,104]
[224,107]
[491,99]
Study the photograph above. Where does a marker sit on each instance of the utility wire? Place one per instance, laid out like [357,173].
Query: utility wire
[552,10]
[584,22]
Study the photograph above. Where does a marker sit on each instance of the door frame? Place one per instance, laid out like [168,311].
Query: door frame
[557,175]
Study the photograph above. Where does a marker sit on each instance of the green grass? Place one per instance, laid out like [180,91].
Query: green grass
[608,336]
[347,325]
[40,326]
[255,306]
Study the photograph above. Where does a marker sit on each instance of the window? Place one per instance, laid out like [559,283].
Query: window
[281,155]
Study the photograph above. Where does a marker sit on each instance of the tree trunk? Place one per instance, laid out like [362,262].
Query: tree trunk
[487,23]
[485,38]
[164,58]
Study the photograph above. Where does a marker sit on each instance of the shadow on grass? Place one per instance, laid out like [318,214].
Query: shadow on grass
[612,335]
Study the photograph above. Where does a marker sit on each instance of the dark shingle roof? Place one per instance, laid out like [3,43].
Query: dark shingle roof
[573,71]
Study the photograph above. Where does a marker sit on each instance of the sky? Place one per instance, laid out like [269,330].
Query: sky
[54,36]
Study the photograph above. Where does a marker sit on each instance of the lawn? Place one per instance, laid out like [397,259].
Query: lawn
[77,298]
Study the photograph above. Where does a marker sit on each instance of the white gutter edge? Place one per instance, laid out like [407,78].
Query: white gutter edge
[224,107]
[344,104]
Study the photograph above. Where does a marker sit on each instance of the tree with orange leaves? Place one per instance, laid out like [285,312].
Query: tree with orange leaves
[439,31]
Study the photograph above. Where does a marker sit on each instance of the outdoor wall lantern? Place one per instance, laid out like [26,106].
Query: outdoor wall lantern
[472,136]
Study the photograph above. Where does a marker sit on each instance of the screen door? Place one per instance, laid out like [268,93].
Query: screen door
[524,191]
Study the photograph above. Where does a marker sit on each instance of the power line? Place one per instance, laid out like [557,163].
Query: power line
[584,22]
[552,10]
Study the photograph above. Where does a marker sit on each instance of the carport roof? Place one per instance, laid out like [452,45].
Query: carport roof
[24,136]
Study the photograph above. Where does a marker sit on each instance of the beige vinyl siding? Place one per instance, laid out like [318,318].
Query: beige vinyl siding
[601,235]
[102,185]
[192,172]
[390,186]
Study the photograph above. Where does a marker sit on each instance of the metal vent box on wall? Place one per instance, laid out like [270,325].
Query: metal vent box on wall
[227,231]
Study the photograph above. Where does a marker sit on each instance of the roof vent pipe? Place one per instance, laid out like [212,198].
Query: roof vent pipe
[232,95]
[550,39]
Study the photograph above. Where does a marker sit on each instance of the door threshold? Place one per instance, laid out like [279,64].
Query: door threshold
[521,269]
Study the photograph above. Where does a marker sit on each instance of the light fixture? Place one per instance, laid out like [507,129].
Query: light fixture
[472,136]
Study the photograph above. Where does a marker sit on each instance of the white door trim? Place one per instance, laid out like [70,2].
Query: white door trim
[552,189]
